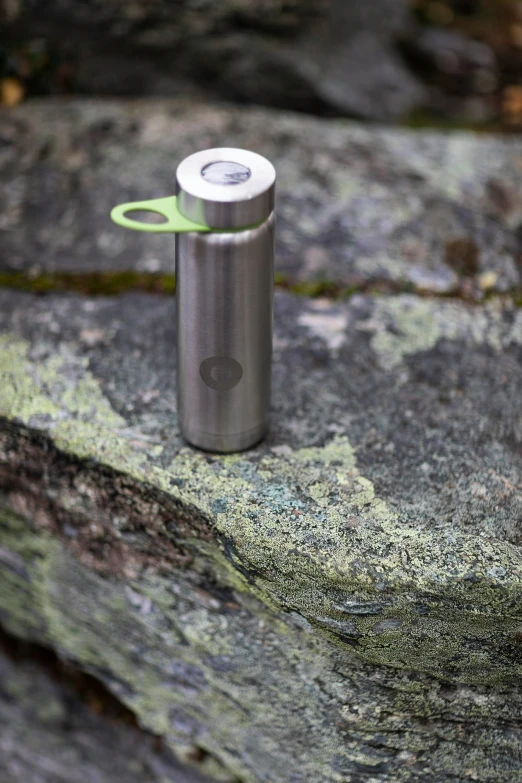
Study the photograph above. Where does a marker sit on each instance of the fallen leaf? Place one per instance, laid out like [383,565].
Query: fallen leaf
[512,103]
[11,92]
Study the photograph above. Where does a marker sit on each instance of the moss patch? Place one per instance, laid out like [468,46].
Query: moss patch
[89,283]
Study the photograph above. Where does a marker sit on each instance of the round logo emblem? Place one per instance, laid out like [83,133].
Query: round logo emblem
[221,373]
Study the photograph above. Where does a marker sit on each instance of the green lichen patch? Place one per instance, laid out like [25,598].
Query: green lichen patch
[409,325]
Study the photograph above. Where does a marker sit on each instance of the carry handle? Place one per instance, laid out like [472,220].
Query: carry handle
[167,207]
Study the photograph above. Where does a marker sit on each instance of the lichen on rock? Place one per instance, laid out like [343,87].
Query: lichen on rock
[323,606]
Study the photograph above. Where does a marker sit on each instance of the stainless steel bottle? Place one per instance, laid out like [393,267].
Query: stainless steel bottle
[224,291]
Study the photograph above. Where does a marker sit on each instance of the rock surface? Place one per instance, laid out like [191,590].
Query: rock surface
[341,603]
[307,55]
[353,61]
[47,735]
[357,206]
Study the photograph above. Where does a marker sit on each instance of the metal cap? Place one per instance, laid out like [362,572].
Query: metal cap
[226,188]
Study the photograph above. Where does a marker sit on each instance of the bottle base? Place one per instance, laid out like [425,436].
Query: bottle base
[228,443]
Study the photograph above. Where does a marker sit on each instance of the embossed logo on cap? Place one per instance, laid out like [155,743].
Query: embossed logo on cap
[221,372]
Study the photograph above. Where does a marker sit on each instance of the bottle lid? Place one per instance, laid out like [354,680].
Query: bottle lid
[225,188]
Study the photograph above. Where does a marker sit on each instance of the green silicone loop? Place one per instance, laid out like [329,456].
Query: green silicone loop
[176,222]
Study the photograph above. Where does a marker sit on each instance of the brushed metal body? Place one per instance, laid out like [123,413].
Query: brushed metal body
[224,292]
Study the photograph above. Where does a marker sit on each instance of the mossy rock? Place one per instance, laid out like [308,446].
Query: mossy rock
[359,208]
[59,726]
[341,603]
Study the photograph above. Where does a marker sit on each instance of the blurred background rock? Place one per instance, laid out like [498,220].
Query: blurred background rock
[452,62]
